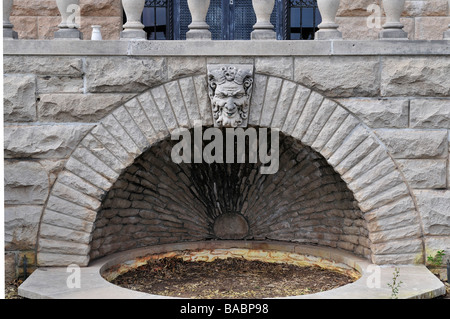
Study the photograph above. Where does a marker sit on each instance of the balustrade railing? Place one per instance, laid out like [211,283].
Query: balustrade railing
[199,29]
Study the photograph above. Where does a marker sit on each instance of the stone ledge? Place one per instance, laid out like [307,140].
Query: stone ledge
[225,48]
[51,283]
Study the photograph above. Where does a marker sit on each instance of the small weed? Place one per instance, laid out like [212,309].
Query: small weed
[395,285]
[437,259]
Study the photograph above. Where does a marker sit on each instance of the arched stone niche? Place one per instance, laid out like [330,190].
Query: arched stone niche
[319,124]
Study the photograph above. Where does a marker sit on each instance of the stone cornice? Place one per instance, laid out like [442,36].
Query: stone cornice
[226,48]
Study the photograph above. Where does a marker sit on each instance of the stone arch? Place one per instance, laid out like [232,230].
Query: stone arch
[341,138]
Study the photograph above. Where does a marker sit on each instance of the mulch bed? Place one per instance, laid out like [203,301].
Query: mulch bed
[11,289]
[232,278]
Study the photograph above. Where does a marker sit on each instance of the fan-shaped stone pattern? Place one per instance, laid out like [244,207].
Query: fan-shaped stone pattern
[157,201]
[351,148]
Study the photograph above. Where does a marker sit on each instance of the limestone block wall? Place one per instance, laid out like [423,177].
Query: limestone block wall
[423,19]
[39,19]
[61,99]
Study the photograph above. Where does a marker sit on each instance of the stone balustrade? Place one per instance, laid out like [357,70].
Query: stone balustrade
[199,29]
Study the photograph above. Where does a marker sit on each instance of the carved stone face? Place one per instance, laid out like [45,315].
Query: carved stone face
[230,91]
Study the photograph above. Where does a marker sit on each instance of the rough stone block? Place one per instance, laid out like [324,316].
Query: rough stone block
[61,205]
[430,113]
[434,209]
[357,155]
[78,107]
[384,198]
[19,99]
[25,183]
[339,76]
[410,144]
[34,8]
[431,28]
[63,247]
[75,196]
[392,247]
[321,117]
[365,165]
[100,8]
[134,132]
[108,141]
[26,27]
[43,141]
[379,113]
[354,8]
[164,107]
[54,260]
[114,127]
[421,8]
[62,220]
[417,76]
[204,103]
[281,67]
[68,178]
[353,140]
[178,67]
[338,136]
[43,65]
[334,122]
[381,185]
[312,106]
[256,104]
[187,87]
[372,174]
[59,84]
[176,100]
[400,207]
[85,172]
[284,102]
[99,150]
[117,74]
[425,173]
[21,226]
[270,101]
[47,26]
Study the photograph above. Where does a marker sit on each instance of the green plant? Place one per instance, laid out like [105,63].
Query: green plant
[395,285]
[437,259]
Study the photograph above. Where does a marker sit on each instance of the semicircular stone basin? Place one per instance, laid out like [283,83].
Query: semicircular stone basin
[208,251]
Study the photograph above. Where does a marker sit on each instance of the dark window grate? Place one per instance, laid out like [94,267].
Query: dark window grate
[158,19]
[230,20]
[302,19]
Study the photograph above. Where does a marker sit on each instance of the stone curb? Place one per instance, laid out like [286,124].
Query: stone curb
[51,283]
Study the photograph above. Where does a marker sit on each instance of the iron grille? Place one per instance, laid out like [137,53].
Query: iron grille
[158,19]
[302,18]
[169,19]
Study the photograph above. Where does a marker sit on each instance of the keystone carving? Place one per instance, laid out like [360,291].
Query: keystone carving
[230,90]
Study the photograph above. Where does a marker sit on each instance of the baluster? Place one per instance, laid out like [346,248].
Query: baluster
[263,29]
[198,29]
[133,29]
[68,28]
[8,32]
[447,33]
[328,29]
[393,28]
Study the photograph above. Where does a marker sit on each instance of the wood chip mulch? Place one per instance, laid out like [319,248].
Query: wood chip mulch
[232,278]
